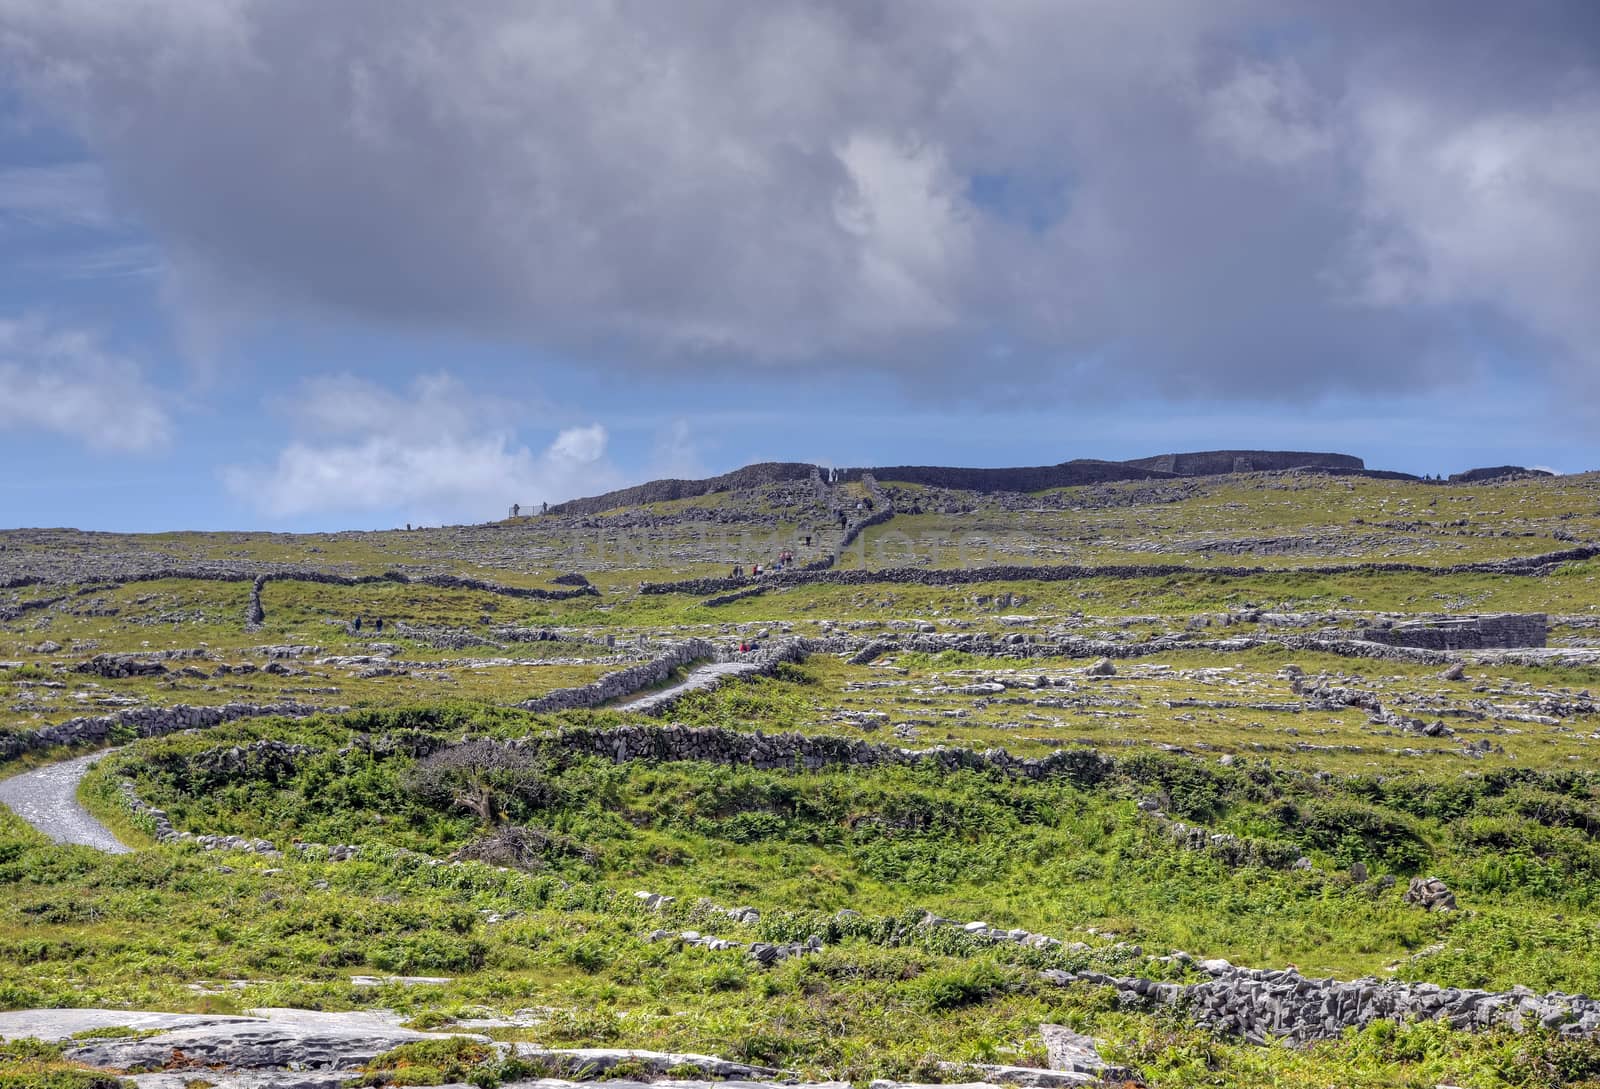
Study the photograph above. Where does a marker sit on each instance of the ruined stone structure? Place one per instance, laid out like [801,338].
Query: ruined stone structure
[1466,632]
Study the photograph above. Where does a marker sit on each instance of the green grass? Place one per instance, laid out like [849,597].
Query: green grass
[1512,832]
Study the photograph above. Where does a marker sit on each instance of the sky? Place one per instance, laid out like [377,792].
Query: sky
[305,266]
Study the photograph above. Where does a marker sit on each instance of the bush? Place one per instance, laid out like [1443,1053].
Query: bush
[962,985]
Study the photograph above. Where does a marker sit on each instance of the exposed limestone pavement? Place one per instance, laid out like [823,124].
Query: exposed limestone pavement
[47,799]
[307,1049]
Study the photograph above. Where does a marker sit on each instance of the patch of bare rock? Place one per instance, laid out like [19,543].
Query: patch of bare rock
[304,1049]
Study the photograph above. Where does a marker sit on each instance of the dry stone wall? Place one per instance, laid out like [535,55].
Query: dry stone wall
[794,751]
[955,576]
[1263,1004]
[144,722]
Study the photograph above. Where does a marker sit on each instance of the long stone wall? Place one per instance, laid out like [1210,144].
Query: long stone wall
[863,651]
[255,613]
[1262,1004]
[957,576]
[814,752]
[145,722]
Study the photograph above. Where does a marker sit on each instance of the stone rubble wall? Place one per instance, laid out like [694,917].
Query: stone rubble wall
[145,722]
[953,576]
[1259,1005]
[809,752]
[255,613]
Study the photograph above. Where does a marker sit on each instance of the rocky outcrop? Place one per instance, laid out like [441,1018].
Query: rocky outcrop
[1430,894]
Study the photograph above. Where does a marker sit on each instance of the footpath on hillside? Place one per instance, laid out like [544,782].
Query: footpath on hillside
[47,798]
[706,676]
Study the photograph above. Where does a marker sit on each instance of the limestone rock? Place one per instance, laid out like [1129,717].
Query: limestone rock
[1430,893]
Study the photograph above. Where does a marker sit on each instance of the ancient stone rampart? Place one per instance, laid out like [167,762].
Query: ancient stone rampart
[661,491]
[1215,462]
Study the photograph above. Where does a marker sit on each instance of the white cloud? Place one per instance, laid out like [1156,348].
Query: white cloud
[435,452]
[61,381]
[578,446]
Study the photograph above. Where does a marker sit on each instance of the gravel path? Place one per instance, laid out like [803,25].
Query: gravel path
[47,799]
[705,676]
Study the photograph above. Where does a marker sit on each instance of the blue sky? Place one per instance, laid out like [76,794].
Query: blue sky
[459,257]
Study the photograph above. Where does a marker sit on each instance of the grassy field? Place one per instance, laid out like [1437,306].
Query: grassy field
[534,910]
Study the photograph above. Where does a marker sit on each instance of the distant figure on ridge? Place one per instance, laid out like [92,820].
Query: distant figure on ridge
[357,625]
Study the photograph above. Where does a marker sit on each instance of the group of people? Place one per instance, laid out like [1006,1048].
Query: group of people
[785,559]
[377,625]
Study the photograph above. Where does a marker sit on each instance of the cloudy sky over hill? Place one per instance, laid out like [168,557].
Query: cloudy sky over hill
[305,264]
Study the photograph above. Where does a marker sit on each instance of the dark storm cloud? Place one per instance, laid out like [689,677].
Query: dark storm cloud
[1254,198]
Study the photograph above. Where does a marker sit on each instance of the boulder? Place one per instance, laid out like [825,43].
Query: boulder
[1430,893]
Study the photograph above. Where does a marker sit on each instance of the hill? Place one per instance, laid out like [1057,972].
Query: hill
[1106,755]
[1068,474]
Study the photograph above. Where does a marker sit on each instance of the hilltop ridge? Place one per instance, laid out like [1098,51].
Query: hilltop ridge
[1066,474]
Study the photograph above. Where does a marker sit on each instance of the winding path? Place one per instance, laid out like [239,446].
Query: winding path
[47,798]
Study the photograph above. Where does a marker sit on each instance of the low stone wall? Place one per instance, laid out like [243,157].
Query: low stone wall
[958,576]
[255,613]
[813,753]
[145,722]
[1510,630]
[863,651]
[623,682]
[736,595]
[1262,1004]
